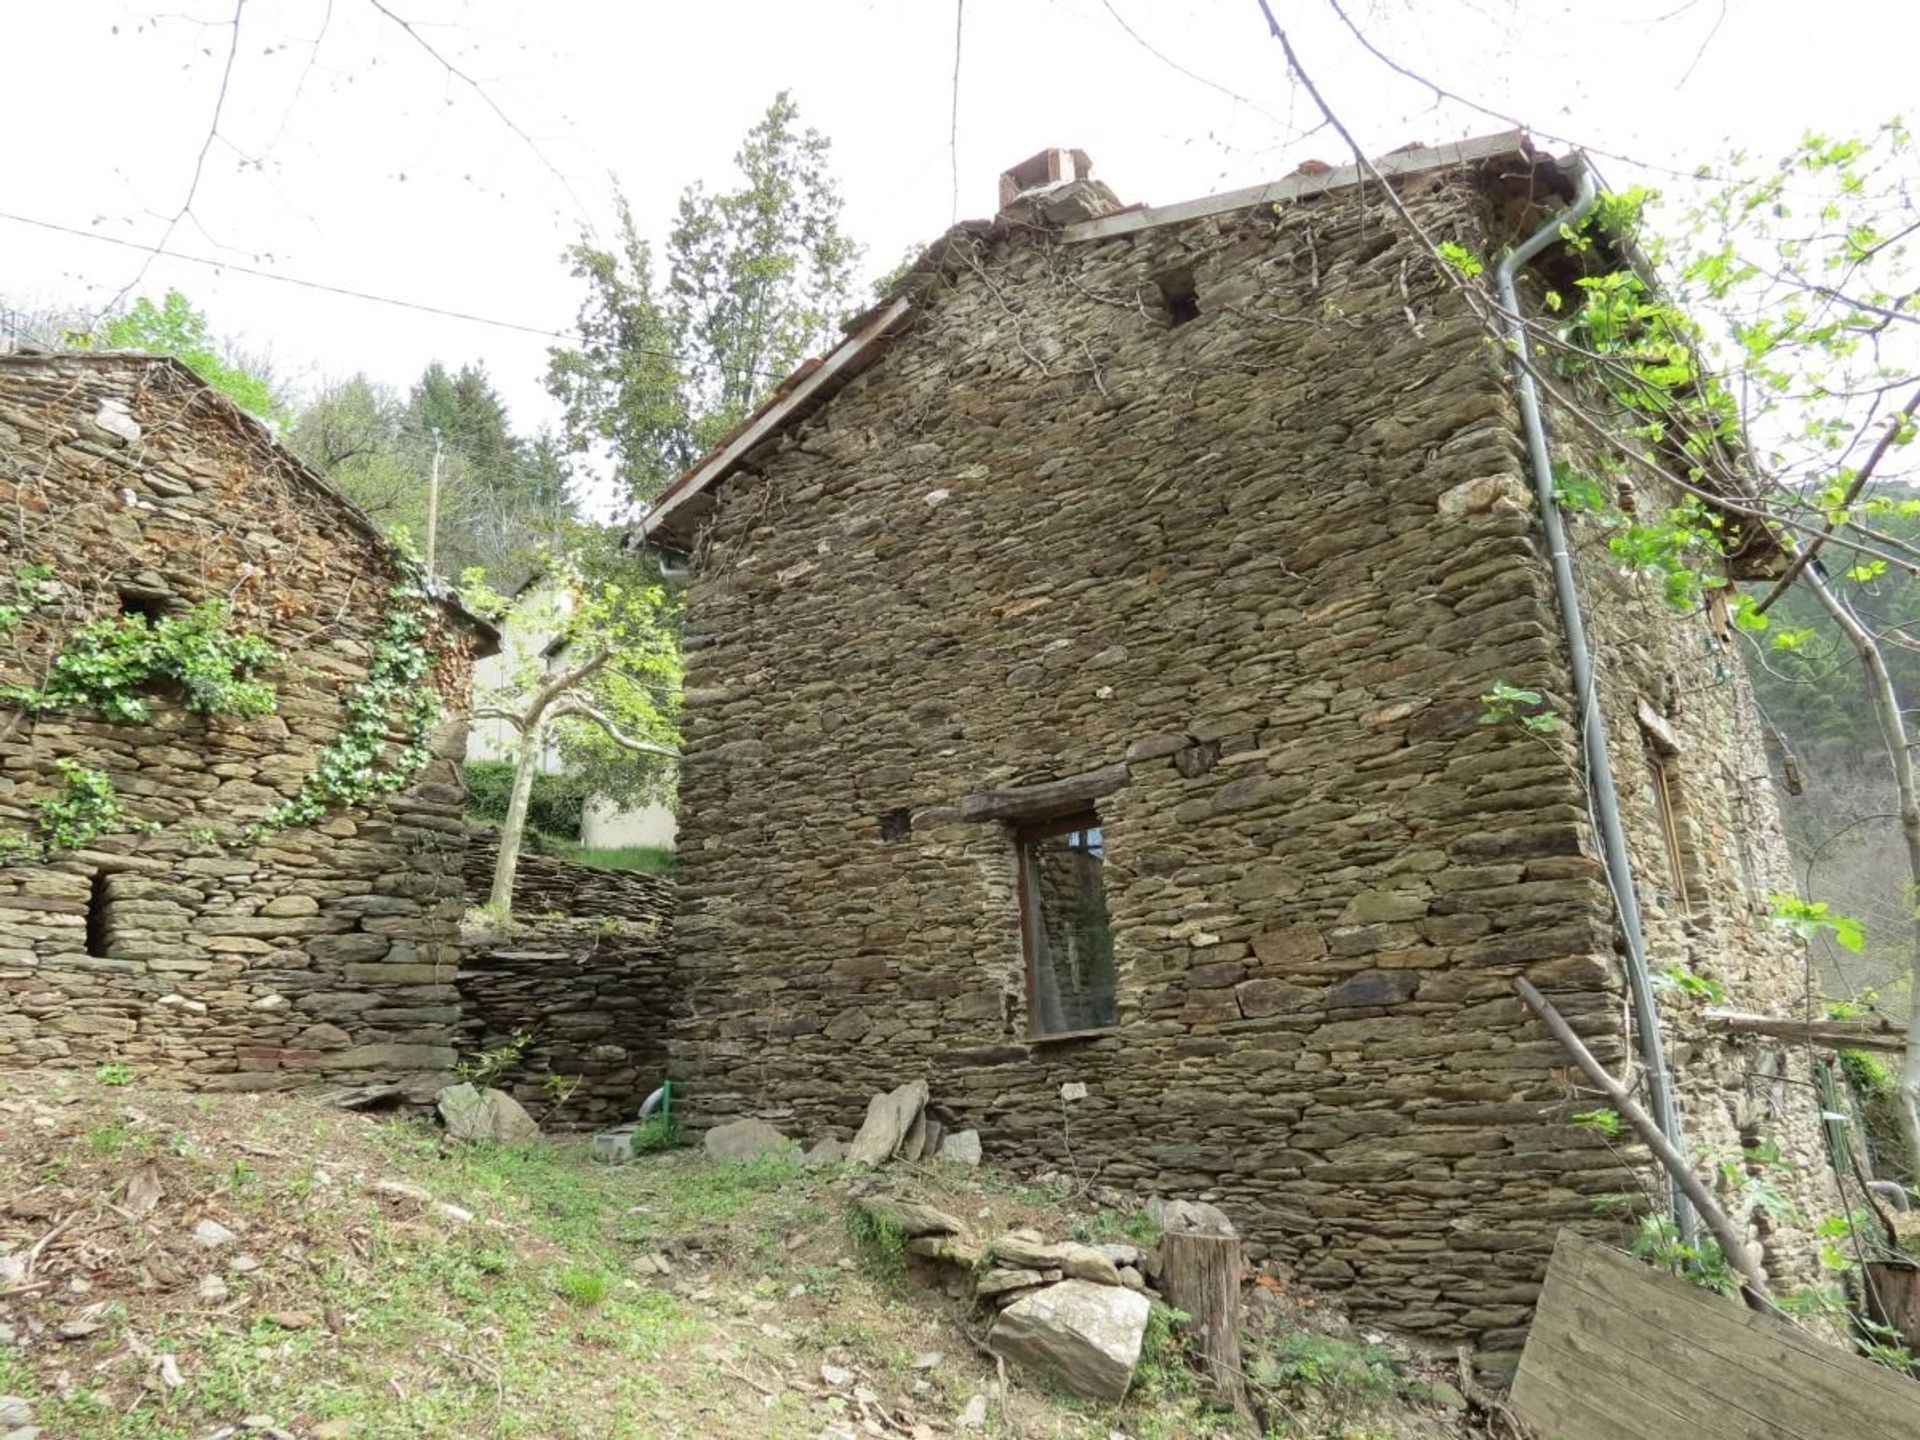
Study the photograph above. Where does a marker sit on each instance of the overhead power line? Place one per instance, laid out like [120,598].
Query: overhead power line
[305,284]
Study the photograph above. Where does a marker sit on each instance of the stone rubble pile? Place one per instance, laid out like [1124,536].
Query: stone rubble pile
[1078,1312]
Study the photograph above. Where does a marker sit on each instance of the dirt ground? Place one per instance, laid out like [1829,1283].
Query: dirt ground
[183,1267]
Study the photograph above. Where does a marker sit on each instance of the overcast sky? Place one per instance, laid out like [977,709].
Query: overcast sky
[346,154]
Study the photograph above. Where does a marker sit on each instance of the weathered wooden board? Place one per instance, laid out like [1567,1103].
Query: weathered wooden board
[1619,1351]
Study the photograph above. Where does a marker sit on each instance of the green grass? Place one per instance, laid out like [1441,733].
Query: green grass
[449,1330]
[616,857]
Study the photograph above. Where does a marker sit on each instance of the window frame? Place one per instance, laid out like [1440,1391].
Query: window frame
[1031,920]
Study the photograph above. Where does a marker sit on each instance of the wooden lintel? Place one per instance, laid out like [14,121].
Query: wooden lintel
[1874,1034]
[1044,801]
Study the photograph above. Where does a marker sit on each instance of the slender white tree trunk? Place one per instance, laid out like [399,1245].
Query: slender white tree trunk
[1893,728]
[513,830]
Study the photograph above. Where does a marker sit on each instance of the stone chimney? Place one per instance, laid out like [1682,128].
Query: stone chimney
[1055,187]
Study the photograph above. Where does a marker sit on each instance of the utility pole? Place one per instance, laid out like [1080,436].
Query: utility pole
[433,499]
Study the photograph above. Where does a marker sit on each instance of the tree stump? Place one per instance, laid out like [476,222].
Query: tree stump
[1200,1275]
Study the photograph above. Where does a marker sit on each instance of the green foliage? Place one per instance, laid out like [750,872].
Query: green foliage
[1336,1379]
[583,1287]
[1658,1242]
[554,809]
[882,1244]
[1601,1122]
[86,805]
[114,1073]
[490,1065]
[757,275]
[1680,980]
[647,859]
[1526,708]
[174,327]
[1810,919]
[109,666]
[1165,1369]
[1870,1076]
[397,695]
[27,593]
[502,494]
[1461,259]
[660,1132]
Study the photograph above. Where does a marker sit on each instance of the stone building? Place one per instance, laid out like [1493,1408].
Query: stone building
[1177,549]
[242,888]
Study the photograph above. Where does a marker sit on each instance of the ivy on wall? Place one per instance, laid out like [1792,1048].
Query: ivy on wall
[396,699]
[109,666]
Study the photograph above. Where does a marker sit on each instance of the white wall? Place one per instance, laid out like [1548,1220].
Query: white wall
[526,631]
[606,827]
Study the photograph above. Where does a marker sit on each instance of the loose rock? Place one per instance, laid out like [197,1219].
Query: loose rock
[1087,1336]
[962,1147]
[908,1218]
[746,1140]
[472,1114]
[890,1118]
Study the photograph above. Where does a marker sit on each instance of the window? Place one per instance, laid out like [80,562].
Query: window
[1662,747]
[99,917]
[1669,825]
[1178,294]
[1068,937]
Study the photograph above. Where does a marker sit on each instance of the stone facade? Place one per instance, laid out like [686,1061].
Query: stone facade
[1238,505]
[587,974]
[322,951]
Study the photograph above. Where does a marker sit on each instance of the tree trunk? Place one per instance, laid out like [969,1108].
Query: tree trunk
[1893,730]
[514,828]
[1733,1245]
[1200,1275]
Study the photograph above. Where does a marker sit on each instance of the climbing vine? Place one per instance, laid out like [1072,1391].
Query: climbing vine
[397,698]
[110,666]
[86,805]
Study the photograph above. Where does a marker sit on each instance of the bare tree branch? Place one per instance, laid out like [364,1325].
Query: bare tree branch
[586,711]
[199,168]
[1812,548]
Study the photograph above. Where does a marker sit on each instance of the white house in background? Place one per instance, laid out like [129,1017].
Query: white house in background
[528,633]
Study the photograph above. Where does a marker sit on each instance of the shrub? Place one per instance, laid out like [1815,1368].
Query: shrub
[555,807]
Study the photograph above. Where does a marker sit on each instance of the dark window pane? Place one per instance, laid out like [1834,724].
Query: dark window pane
[1069,936]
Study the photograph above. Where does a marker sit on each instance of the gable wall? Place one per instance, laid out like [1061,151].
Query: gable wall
[1048,533]
[325,951]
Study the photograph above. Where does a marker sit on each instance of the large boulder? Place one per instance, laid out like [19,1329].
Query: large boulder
[1086,1336]
[472,1114]
[747,1140]
[891,1118]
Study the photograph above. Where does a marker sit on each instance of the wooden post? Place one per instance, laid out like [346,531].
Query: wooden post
[1200,1275]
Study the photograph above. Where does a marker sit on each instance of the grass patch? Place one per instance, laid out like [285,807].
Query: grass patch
[646,858]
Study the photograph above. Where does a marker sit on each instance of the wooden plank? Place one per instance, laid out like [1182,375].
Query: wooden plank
[1873,1033]
[1292,187]
[1620,1351]
[1040,802]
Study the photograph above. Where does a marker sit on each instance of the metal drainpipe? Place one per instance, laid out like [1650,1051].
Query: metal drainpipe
[1593,729]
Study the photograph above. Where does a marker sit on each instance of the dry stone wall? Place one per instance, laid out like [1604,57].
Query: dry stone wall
[587,975]
[325,951]
[1270,558]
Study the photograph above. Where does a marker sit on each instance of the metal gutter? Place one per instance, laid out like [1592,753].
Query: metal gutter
[1593,730]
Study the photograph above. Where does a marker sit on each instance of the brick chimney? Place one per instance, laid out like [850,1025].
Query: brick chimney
[1055,187]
